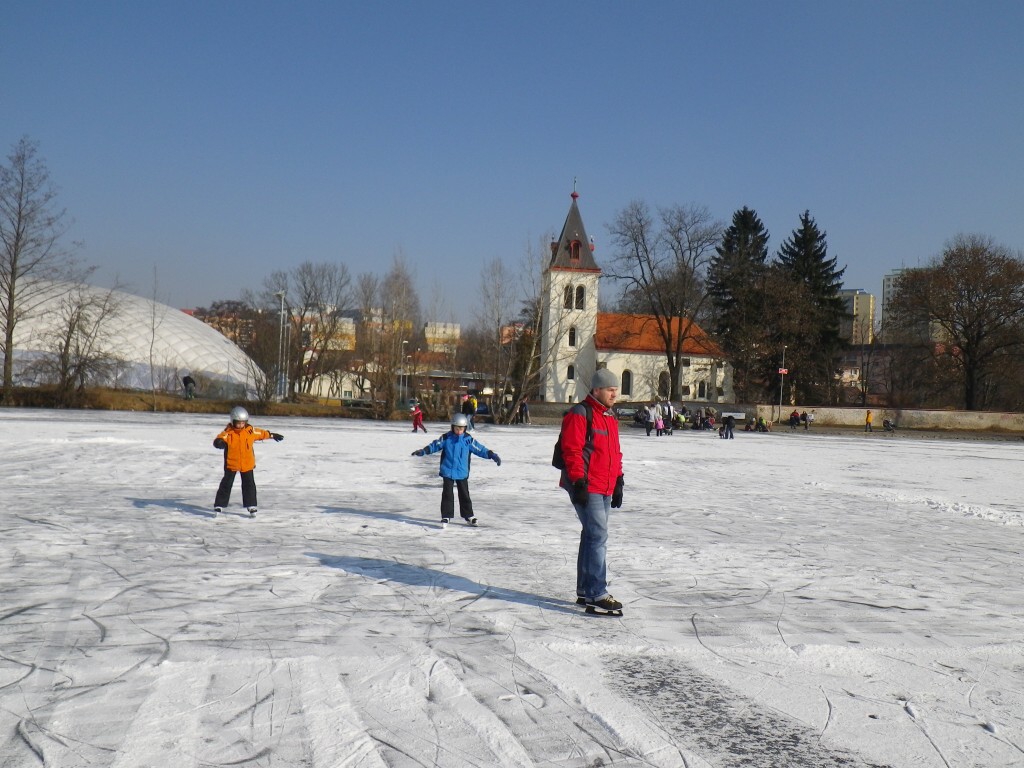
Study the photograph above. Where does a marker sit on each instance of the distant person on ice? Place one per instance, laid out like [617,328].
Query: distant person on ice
[190,386]
[236,441]
[593,478]
[455,447]
[417,418]
[468,410]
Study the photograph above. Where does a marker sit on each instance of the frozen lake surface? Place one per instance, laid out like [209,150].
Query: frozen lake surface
[791,600]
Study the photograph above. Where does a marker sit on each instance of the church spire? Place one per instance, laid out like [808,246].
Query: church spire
[573,249]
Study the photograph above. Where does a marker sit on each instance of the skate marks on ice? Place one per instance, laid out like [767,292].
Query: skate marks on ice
[419,576]
[476,702]
[721,726]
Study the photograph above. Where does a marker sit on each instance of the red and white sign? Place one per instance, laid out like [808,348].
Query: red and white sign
[783,371]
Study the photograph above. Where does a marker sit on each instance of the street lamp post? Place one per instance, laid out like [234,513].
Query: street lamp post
[782,379]
[402,374]
[408,379]
[281,381]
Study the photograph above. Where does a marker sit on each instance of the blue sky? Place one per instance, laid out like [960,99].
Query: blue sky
[211,143]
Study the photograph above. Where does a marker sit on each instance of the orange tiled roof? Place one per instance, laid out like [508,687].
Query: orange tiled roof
[639,333]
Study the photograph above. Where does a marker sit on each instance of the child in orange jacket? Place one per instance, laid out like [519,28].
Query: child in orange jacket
[236,440]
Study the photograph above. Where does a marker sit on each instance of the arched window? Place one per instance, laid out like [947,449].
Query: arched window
[574,250]
[663,384]
[581,294]
[572,336]
[568,297]
[627,383]
[571,373]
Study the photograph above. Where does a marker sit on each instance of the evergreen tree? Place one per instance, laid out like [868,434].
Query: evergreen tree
[815,282]
[736,283]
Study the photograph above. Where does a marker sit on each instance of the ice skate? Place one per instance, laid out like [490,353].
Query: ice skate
[252,511]
[606,606]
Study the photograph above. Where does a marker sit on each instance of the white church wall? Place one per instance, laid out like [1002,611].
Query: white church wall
[647,370]
[568,336]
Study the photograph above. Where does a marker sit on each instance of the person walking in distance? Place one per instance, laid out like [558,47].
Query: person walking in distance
[868,420]
[593,478]
[236,440]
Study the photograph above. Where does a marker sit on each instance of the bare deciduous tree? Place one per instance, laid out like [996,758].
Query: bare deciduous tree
[400,329]
[968,305]
[322,294]
[664,264]
[389,314]
[31,252]
[77,344]
[495,316]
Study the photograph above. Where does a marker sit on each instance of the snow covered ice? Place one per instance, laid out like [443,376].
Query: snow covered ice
[790,600]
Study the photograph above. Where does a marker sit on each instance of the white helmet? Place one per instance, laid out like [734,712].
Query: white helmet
[460,420]
[238,413]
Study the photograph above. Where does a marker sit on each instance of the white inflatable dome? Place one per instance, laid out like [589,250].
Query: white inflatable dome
[136,332]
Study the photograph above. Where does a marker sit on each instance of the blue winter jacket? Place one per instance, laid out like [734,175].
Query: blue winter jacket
[455,459]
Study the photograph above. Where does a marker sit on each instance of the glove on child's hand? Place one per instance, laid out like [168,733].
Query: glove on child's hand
[494,457]
[580,494]
[418,453]
[278,438]
[219,443]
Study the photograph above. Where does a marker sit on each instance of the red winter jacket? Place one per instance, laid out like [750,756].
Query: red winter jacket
[605,456]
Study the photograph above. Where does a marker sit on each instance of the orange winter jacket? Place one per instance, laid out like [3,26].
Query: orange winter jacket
[239,455]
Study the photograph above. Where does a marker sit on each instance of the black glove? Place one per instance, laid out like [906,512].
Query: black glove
[278,438]
[580,494]
[494,457]
[219,443]
[418,453]
[617,493]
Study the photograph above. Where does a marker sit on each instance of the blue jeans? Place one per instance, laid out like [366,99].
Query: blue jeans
[591,570]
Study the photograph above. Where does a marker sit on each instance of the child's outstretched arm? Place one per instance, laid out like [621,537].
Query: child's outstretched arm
[481,450]
[264,434]
[428,449]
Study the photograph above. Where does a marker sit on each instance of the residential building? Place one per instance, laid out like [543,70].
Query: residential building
[858,322]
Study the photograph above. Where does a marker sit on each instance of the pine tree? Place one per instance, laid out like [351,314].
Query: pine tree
[737,288]
[815,281]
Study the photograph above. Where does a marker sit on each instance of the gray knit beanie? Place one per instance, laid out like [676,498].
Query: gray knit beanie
[604,378]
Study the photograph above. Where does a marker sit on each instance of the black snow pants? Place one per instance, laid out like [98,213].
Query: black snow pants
[448,499]
[248,489]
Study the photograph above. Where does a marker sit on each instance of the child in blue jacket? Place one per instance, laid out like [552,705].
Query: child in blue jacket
[456,446]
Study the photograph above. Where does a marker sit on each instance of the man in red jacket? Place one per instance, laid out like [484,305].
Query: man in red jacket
[593,478]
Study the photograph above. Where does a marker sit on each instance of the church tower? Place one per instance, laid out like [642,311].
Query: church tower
[569,322]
